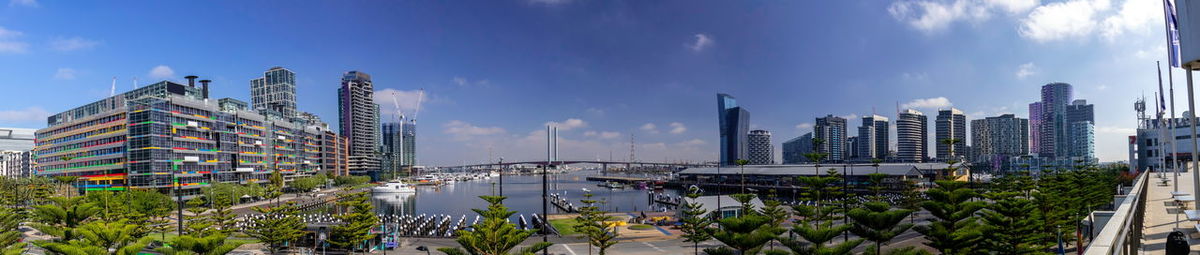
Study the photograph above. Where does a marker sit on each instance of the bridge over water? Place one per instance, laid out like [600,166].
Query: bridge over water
[603,164]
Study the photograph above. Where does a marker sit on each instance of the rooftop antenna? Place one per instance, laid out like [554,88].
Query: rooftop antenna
[112,91]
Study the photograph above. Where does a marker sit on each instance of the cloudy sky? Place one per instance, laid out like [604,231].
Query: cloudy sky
[496,72]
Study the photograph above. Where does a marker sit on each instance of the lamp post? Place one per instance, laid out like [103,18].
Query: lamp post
[501,176]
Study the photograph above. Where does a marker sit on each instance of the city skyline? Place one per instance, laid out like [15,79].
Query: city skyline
[597,111]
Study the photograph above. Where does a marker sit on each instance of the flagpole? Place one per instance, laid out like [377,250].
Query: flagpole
[1171,62]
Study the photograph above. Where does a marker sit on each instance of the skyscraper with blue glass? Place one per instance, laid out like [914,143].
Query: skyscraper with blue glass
[734,124]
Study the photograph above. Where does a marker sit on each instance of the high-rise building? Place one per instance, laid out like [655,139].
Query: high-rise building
[912,136]
[145,137]
[392,152]
[311,119]
[734,125]
[831,130]
[1035,128]
[995,139]
[850,150]
[873,137]
[1053,140]
[16,163]
[408,137]
[334,156]
[761,152]
[794,149]
[951,124]
[359,122]
[276,91]
[1053,124]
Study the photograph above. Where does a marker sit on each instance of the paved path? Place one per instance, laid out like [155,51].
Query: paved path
[1163,216]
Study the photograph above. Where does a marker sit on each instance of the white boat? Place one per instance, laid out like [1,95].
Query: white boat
[394,187]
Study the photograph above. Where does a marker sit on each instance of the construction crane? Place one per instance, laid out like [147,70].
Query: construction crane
[397,114]
[420,95]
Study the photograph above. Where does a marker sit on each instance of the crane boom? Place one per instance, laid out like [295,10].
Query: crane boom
[397,104]
[420,95]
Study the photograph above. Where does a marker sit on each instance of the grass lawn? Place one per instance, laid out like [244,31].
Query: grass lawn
[565,226]
[641,227]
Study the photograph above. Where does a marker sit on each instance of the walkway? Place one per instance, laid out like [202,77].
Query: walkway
[1163,216]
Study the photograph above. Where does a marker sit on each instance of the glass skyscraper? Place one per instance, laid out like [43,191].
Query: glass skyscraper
[734,124]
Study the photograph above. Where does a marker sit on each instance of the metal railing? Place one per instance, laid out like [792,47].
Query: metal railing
[1123,232]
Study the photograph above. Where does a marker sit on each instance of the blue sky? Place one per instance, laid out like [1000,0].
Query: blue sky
[496,72]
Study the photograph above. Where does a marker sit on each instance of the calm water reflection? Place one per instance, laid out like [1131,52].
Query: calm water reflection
[523,192]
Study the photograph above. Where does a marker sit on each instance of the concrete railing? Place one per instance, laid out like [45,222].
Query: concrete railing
[1123,232]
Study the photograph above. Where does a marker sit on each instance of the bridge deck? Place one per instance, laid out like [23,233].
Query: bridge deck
[620,179]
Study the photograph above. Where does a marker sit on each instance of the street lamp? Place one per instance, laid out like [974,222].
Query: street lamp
[501,176]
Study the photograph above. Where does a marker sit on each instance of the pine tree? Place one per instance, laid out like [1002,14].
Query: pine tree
[213,244]
[695,223]
[1011,225]
[197,223]
[877,222]
[747,234]
[10,236]
[99,237]
[593,223]
[62,216]
[280,226]
[356,224]
[954,229]
[495,235]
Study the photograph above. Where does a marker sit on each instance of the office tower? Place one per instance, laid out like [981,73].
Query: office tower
[392,151]
[735,126]
[232,105]
[1035,128]
[794,149]
[873,137]
[359,122]
[998,138]
[275,90]
[850,150]
[408,138]
[951,124]
[143,138]
[831,130]
[912,137]
[1083,141]
[760,151]
[1053,134]
[310,119]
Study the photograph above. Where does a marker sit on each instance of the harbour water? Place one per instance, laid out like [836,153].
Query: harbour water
[524,195]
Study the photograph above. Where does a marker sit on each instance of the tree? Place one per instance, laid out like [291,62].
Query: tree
[954,229]
[10,237]
[99,237]
[742,165]
[876,222]
[275,190]
[593,223]
[67,180]
[356,224]
[747,234]
[62,216]
[950,142]
[222,217]
[695,223]
[279,226]
[815,227]
[197,223]
[1011,225]
[495,235]
[213,244]
[911,199]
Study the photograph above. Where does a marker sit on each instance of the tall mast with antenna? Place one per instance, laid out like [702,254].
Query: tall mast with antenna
[112,91]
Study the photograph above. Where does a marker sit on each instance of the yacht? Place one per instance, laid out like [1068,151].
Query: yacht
[394,187]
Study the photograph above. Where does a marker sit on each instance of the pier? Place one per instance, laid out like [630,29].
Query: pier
[618,179]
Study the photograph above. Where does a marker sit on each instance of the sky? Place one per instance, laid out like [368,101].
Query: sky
[495,73]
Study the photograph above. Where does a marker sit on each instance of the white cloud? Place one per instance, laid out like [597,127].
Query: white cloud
[26,3]
[568,124]
[6,33]
[602,135]
[849,116]
[693,142]
[921,76]
[1133,16]
[677,128]
[804,126]
[28,115]
[932,16]
[595,111]
[463,131]
[1115,130]
[1063,20]
[13,47]
[161,72]
[8,43]
[703,41]
[927,103]
[65,74]
[1025,70]
[407,99]
[650,128]
[463,82]
[72,44]
[1014,6]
